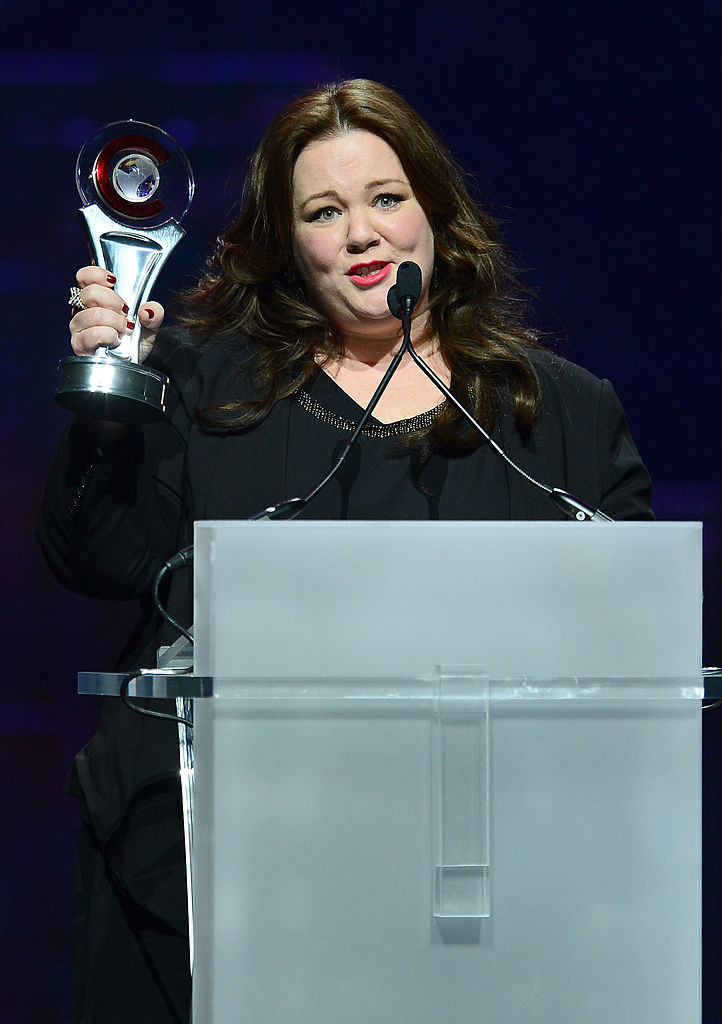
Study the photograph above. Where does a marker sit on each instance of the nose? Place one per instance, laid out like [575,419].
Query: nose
[361,234]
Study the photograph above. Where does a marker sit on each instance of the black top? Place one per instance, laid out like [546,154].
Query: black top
[107,531]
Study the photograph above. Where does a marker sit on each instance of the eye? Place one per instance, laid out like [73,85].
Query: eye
[387,201]
[325,213]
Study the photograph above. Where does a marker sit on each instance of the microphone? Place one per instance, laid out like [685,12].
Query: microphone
[401,299]
[404,295]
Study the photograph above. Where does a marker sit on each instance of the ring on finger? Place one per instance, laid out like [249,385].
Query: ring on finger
[75,302]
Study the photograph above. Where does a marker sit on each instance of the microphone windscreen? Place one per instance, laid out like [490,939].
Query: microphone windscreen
[394,302]
[408,281]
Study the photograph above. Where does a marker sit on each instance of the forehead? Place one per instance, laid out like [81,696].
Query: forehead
[344,162]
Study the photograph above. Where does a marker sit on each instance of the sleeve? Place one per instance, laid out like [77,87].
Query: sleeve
[108,520]
[625,485]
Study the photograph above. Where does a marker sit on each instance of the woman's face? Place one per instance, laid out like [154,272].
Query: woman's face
[355,220]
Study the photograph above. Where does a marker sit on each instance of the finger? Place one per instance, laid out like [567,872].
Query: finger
[86,343]
[97,295]
[151,316]
[99,316]
[95,275]
[96,326]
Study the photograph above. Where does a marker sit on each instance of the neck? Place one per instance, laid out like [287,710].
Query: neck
[379,350]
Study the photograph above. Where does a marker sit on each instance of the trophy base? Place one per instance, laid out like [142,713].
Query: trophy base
[109,388]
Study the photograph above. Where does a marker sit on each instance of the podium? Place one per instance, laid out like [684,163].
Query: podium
[450,773]
[447,773]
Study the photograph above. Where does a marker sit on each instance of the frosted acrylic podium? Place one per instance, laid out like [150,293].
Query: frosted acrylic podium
[448,773]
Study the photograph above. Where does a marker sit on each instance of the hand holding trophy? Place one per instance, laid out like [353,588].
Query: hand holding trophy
[136,185]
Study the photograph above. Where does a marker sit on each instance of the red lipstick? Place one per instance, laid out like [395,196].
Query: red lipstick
[366,274]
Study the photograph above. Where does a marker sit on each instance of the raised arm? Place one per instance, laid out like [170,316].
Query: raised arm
[114,507]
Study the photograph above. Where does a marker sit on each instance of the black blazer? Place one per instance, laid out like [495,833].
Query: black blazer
[109,520]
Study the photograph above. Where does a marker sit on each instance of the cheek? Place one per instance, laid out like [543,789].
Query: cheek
[313,254]
[418,234]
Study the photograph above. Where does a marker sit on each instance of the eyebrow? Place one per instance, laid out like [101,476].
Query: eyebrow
[333,194]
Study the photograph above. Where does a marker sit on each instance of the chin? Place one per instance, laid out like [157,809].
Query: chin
[374,311]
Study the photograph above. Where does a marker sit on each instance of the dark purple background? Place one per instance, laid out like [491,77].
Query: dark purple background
[591,133]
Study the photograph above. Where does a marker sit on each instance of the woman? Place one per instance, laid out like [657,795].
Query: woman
[282,344]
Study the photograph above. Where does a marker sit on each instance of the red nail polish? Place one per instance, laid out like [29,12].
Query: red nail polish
[125,307]
[150,313]
[130,325]
[111,279]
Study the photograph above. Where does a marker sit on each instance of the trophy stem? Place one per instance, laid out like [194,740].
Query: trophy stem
[113,385]
[135,256]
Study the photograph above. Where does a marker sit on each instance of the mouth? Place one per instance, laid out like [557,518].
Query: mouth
[366,274]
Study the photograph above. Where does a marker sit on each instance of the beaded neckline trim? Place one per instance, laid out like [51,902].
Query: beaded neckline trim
[421,422]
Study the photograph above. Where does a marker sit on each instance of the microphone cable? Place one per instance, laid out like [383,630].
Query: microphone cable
[123,693]
[180,560]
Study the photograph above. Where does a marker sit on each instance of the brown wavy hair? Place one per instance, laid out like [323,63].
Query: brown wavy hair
[475,304]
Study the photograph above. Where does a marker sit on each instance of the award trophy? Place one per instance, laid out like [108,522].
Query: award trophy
[136,184]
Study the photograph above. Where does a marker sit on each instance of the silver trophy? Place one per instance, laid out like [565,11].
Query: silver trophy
[136,185]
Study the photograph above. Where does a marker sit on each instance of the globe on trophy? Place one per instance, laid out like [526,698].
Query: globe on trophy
[136,185]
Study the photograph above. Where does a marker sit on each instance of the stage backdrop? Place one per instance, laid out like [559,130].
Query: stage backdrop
[589,134]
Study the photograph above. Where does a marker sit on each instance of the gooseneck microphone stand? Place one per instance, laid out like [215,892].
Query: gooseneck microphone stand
[402,298]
